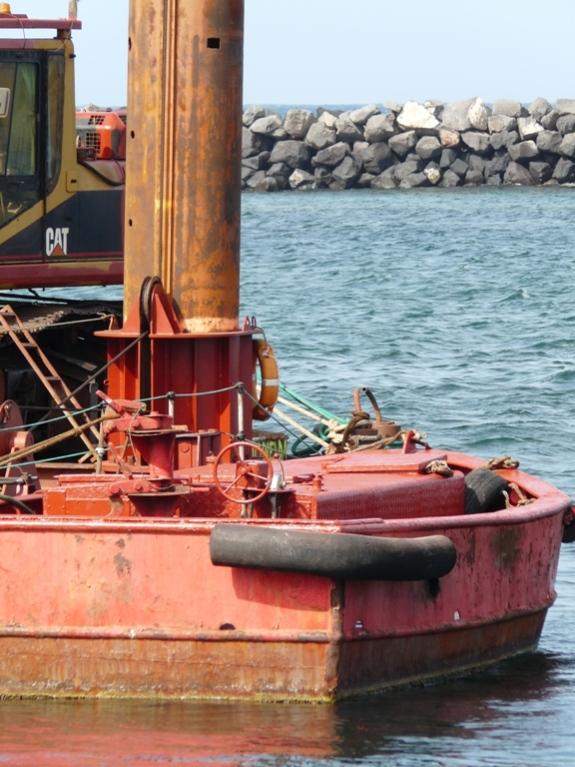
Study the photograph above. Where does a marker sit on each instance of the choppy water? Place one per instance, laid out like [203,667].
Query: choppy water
[458,308]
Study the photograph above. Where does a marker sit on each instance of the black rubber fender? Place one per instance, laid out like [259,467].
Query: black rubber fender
[484,491]
[341,556]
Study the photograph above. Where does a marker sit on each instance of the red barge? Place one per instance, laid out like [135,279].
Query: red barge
[184,559]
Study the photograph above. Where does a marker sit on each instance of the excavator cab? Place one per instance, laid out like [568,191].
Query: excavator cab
[61,208]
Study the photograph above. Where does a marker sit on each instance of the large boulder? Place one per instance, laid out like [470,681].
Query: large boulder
[301,179]
[567,146]
[504,139]
[379,127]
[564,171]
[507,107]
[449,138]
[540,171]
[415,116]
[459,167]
[565,106]
[477,141]
[252,143]
[347,172]
[331,156]
[413,180]
[320,136]
[432,173]
[377,157]
[294,153]
[499,123]
[474,178]
[524,150]
[448,156]
[549,141]
[328,119]
[517,174]
[539,108]
[363,114]
[549,121]
[450,179]
[267,125]
[323,177]
[281,172]
[251,114]
[405,169]
[257,162]
[385,180]
[428,148]
[347,130]
[566,124]
[528,127]
[497,165]
[365,181]
[297,122]
[403,143]
[261,182]
[465,115]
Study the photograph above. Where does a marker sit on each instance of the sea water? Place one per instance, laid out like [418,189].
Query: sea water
[457,307]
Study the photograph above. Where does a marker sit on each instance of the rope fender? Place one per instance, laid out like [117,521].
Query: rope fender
[333,555]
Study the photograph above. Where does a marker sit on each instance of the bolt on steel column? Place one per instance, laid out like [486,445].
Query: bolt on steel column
[184,155]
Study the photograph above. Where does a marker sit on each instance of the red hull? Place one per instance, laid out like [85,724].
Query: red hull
[135,607]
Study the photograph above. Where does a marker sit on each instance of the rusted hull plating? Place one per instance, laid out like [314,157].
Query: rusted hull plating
[113,608]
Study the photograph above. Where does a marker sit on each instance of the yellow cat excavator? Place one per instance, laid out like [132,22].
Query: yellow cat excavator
[61,171]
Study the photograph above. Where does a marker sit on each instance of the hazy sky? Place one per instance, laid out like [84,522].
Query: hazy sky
[334,51]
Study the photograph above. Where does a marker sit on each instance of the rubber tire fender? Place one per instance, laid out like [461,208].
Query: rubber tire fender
[484,491]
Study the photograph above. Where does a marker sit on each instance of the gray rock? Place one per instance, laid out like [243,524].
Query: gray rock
[524,150]
[359,147]
[403,143]
[405,169]
[494,180]
[459,167]
[280,134]
[549,121]
[565,106]
[474,178]
[434,106]
[448,156]
[319,136]
[500,123]
[566,124]
[479,142]
[465,115]
[413,180]
[301,179]
[449,138]
[265,126]
[294,153]
[393,106]
[567,146]
[365,180]
[528,127]
[476,163]
[246,173]
[507,107]
[362,115]
[252,144]
[261,182]
[258,162]
[540,171]
[377,157]
[539,108]
[347,172]
[504,139]
[379,127]
[297,123]
[346,130]
[432,173]
[328,119]
[428,148]
[497,165]
[332,155]
[279,169]
[549,141]
[415,116]
[564,171]
[251,114]
[450,179]
[517,174]
[385,180]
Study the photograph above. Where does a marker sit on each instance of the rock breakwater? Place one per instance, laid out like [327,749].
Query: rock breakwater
[410,145]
